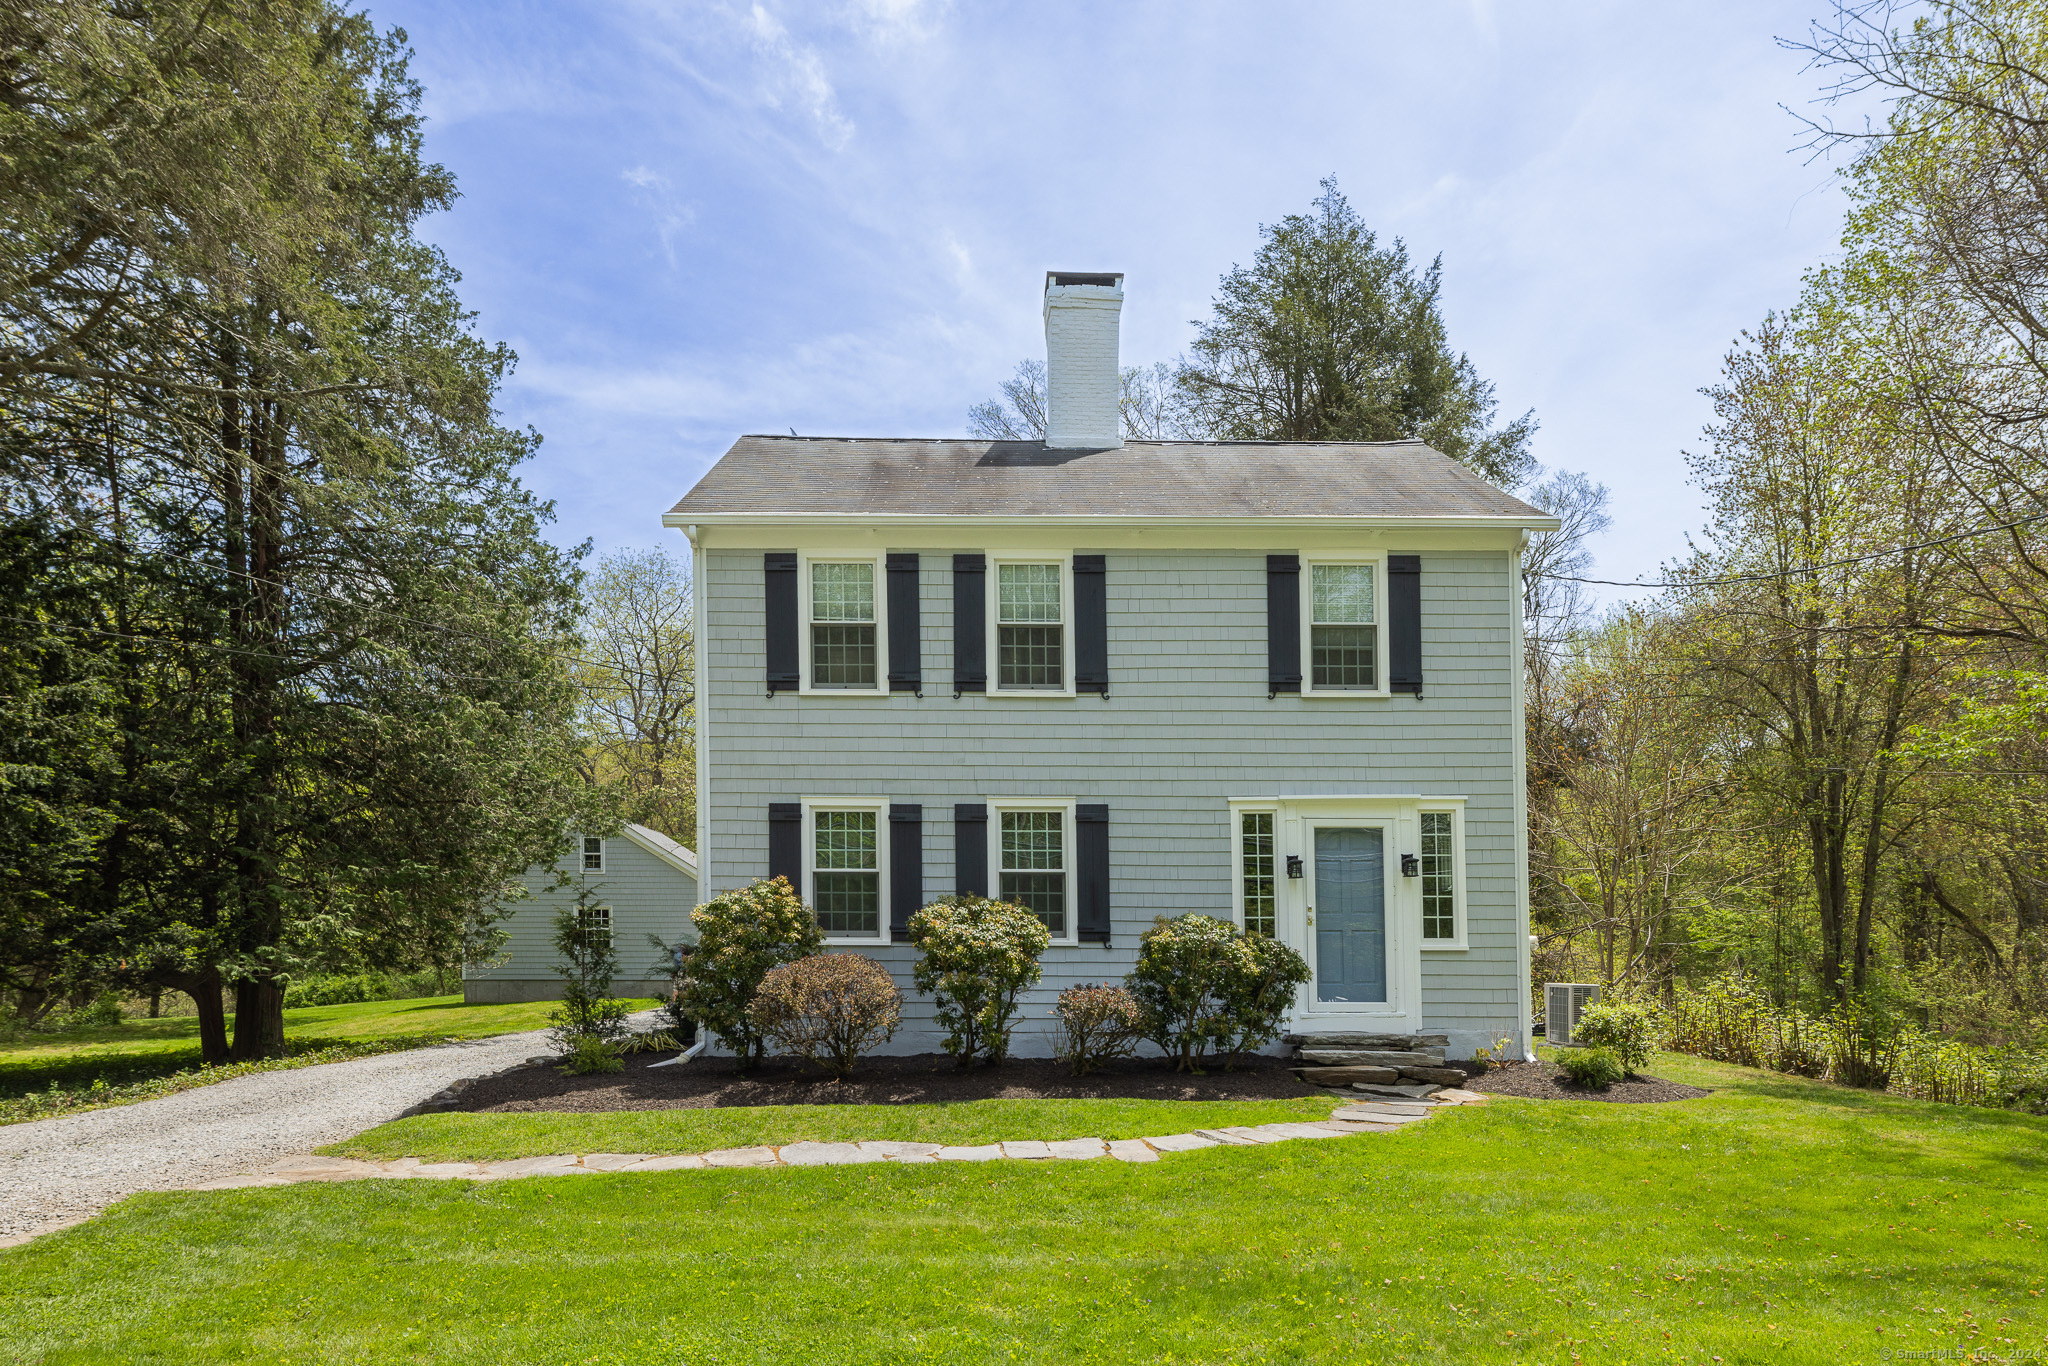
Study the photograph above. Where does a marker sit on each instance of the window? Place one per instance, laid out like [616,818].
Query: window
[594,926]
[1031,631]
[1032,864]
[842,625]
[1256,868]
[1443,870]
[593,854]
[1343,628]
[846,873]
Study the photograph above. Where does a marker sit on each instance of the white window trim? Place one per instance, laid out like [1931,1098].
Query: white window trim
[804,561]
[582,854]
[996,807]
[993,627]
[1460,889]
[878,805]
[1307,605]
[611,924]
[1237,908]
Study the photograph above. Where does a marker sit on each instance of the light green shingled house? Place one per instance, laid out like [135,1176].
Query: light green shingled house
[1276,682]
[640,881]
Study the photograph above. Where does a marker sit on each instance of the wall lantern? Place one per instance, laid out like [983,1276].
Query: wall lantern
[1294,865]
[1411,866]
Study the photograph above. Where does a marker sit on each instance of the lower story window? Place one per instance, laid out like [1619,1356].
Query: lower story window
[1034,865]
[594,927]
[1257,872]
[1439,877]
[846,878]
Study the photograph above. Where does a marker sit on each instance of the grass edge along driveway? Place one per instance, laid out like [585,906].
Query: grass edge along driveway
[1777,1221]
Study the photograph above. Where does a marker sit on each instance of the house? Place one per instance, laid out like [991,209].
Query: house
[1277,682]
[639,883]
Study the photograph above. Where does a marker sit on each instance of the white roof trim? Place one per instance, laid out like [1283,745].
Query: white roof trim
[663,848]
[1459,523]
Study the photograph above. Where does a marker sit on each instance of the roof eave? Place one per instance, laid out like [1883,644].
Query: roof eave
[1462,522]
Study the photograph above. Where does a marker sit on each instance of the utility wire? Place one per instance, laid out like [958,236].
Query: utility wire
[1804,569]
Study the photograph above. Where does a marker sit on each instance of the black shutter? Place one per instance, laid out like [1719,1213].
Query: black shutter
[779,570]
[1091,872]
[1283,624]
[1091,625]
[786,843]
[970,849]
[970,613]
[906,867]
[906,645]
[1404,623]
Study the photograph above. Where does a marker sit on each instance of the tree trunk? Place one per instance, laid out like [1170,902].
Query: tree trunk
[259,1021]
[204,989]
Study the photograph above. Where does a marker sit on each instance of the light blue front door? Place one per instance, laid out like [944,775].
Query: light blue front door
[1351,914]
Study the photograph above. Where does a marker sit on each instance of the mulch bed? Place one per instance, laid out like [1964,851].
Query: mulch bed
[921,1079]
[1541,1081]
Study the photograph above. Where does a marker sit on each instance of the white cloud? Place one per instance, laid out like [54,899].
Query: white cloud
[796,72]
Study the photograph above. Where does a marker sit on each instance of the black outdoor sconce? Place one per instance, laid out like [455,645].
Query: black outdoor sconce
[1411,866]
[1294,865]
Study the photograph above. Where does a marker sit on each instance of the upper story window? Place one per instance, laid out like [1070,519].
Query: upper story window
[841,642]
[1343,628]
[846,872]
[1032,865]
[1256,852]
[1031,627]
[593,854]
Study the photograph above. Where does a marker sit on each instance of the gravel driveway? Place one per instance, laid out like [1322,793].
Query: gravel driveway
[57,1171]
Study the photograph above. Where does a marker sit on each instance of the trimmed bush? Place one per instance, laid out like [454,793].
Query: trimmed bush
[1188,973]
[1097,1024]
[322,990]
[1624,1028]
[742,936]
[1259,992]
[974,956]
[828,1009]
[1593,1068]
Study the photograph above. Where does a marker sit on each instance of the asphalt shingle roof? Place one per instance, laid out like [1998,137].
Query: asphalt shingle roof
[941,478]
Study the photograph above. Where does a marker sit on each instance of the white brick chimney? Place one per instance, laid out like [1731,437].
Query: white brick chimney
[1081,385]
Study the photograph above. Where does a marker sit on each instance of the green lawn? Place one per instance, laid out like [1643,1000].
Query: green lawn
[1776,1221]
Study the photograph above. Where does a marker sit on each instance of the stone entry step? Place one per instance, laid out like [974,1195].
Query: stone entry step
[1370,1057]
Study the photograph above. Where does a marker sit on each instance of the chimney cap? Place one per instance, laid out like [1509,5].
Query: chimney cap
[1109,280]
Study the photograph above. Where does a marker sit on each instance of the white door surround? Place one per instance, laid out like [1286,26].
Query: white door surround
[1296,821]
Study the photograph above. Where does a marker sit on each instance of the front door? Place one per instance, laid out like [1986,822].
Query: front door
[1349,914]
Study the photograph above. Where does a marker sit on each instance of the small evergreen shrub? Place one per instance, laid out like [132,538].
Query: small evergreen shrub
[1097,1025]
[1593,1068]
[742,936]
[587,964]
[102,1012]
[1203,983]
[1624,1028]
[974,957]
[592,1055]
[828,1009]
[322,989]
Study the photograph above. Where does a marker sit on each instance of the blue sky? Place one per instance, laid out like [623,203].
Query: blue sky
[698,220]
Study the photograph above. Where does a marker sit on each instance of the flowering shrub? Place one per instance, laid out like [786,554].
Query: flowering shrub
[1097,1024]
[974,956]
[1195,982]
[828,1009]
[1258,993]
[741,937]
[1623,1028]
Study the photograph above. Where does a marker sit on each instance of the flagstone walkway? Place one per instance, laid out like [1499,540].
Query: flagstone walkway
[1363,1117]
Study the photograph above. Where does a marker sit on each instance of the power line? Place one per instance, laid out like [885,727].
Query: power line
[1806,569]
